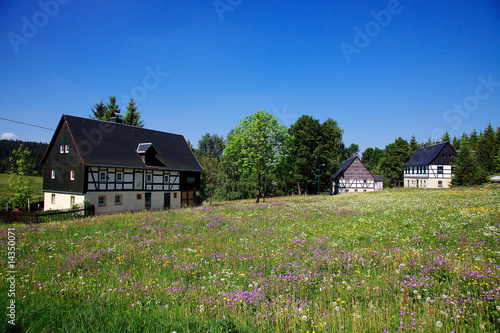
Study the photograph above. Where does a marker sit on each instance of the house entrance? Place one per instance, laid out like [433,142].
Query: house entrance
[147,201]
[166,201]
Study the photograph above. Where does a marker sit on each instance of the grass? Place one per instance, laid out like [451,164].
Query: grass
[395,260]
[6,192]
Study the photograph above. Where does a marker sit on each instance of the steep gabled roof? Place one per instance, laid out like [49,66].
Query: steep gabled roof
[113,144]
[425,155]
[344,167]
[378,179]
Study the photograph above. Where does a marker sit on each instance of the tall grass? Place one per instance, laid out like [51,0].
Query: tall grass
[402,260]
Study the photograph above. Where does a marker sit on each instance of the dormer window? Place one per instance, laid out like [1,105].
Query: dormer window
[66,149]
[61,149]
[149,154]
[53,174]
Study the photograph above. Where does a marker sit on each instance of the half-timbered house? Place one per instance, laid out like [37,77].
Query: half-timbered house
[353,176]
[118,167]
[430,167]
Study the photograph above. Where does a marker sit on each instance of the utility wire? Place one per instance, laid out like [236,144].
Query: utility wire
[20,122]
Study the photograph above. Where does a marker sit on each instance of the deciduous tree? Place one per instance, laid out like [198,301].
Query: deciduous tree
[21,168]
[257,146]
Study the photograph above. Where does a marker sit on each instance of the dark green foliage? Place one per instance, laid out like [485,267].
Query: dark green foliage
[99,111]
[371,158]
[37,150]
[414,145]
[132,117]
[212,145]
[315,144]
[391,164]
[446,137]
[467,170]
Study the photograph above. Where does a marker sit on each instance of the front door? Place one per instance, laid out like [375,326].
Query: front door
[147,201]
[166,201]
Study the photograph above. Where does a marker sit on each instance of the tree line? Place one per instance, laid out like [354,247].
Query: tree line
[478,156]
[260,158]
[37,150]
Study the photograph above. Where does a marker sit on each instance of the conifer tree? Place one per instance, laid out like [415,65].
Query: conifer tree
[132,117]
[467,171]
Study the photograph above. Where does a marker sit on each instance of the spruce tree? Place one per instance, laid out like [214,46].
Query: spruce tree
[132,117]
[467,171]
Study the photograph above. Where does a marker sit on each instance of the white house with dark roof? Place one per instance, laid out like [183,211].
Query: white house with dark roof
[430,167]
[118,167]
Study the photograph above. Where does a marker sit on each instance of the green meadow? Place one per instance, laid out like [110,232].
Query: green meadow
[6,192]
[401,260]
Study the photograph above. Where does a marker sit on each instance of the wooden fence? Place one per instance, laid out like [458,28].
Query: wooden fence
[46,216]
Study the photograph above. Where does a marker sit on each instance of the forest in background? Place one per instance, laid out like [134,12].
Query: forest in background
[37,150]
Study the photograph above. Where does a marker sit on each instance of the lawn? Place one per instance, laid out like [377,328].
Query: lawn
[6,192]
[396,260]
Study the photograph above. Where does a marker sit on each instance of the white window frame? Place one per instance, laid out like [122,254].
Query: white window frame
[53,198]
[149,178]
[72,200]
[72,175]
[166,179]
[105,173]
[121,176]
[61,149]
[99,200]
[53,174]
[119,201]
[66,149]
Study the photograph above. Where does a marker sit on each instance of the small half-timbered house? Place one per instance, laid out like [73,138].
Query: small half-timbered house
[353,176]
[118,167]
[430,167]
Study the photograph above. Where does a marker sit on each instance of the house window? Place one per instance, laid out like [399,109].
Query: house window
[61,149]
[347,180]
[175,195]
[119,176]
[190,180]
[440,184]
[149,178]
[53,174]
[72,175]
[102,200]
[66,149]
[364,181]
[450,156]
[53,199]
[118,199]
[165,179]
[440,170]
[360,171]
[139,196]
[72,200]
[443,156]
[103,176]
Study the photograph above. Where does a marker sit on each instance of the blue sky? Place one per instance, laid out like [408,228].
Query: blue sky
[381,69]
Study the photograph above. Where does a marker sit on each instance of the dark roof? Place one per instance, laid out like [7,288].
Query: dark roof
[113,144]
[425,155]
[344,167]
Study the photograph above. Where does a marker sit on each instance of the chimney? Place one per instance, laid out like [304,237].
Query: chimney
[116,117]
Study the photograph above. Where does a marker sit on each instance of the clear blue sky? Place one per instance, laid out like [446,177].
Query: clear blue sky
[226,59]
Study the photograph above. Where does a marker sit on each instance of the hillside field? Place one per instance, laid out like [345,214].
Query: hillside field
[404,260]
[6,192]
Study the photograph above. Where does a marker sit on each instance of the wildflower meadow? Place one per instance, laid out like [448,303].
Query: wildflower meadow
[399,260]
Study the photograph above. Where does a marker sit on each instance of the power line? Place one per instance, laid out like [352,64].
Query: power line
[20,122]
